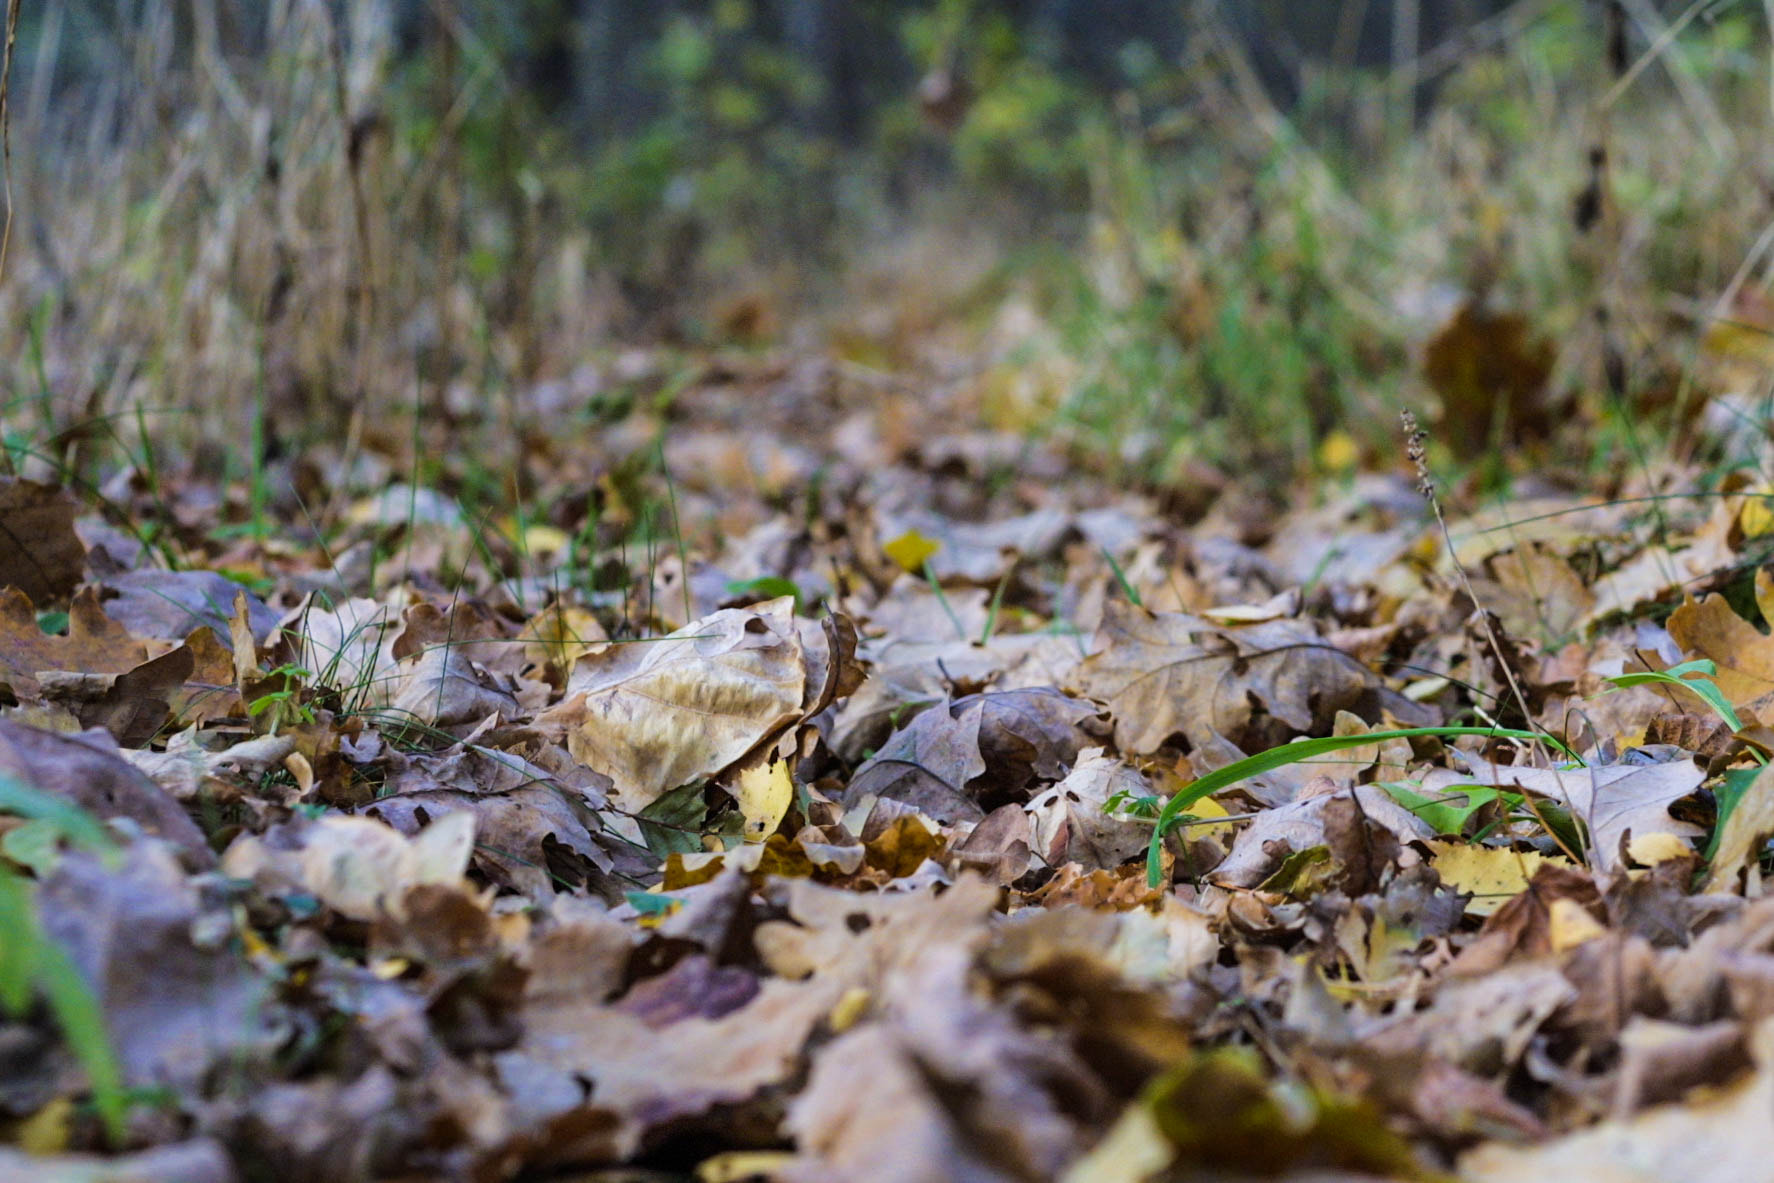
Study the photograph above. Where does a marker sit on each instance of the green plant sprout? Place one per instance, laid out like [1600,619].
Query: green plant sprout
[285,706]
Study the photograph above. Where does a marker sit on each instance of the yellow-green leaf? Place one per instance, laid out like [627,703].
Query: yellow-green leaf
[911,550]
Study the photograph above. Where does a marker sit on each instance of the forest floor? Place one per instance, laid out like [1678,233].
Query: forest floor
[808,782]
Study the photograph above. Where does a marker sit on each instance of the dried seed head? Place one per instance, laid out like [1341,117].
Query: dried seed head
[1416,451]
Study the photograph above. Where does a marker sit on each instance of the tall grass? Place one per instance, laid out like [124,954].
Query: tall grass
[264,248]
[1253,281]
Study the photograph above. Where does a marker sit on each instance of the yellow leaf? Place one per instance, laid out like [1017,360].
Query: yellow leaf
[1133,1150]
[1657,847]
[765,791]
[389,968]
[1756,518]
[1167,782]
[1339,452]
[46,1131]
[535,538]
[851,1007]
[911,550]
[1571,925]
[733,1165]
[1491,875]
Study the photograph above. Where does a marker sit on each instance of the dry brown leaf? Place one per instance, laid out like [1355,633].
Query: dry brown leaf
[1489,370]
[131,706]
[95,643]
[88,771]
[1071,820]
[956,760]
[441,687]
[347,646]
[1289,829]
[171,605]
[1744,655]
[1726,1135]
[1171,674]
[521,806]
[40,554]
[1542,596]
[836,941]
[870,1114]
[176,1005]
[654,715]
[999,847]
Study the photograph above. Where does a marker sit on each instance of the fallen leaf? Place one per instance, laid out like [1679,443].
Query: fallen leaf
[764,792]
[1276,833]
[1723,1136]
[957,759]
[176,1005]
[171,605]
[95,644]
[1172,674]
[1491,875]
[654,715]
[911,550]
[1744,832]
[358,866]
[40,554]
[88,771]
[1071,819]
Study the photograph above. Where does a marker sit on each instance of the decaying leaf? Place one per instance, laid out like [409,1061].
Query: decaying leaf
[40,554]
[1072,822]
[1277,833]
[95,644]
[1722,1136]
[88,771]
[653,715]
[360,867]
[1171,674]
[179,997]
[171,605]
[1742,653]
[959,759]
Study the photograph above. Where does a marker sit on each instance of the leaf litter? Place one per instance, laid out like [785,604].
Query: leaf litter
[816,844]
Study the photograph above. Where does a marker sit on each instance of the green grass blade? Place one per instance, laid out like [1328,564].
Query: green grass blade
[82,1020]
[80,827]
[1293,753]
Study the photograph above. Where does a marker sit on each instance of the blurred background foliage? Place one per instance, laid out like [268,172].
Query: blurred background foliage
[1186,232]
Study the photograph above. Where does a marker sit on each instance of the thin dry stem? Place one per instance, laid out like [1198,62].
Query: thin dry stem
[1416,450]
